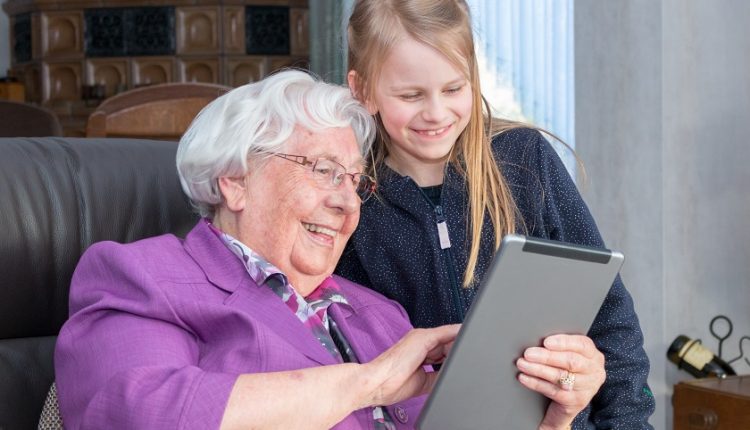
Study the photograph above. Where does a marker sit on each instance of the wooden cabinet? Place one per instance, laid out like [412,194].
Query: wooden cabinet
[13,91]
[712,404]
[64,50]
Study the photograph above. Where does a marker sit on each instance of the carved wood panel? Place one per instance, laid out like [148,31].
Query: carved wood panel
[30,75]
[63,81]
[198,30]
[152,70]
[199,70]
[61,49]
[112,73]
[295,62]
[243,70]
[234,30]
[299,31]
[61,34]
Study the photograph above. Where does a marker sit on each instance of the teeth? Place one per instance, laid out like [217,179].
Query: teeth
[319,229]
[434,132]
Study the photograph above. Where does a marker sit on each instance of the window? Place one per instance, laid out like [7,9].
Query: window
[525,53]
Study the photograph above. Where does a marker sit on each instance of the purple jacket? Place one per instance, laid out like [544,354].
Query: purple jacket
[160,329]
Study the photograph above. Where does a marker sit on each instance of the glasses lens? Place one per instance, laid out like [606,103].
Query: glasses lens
[328,172]
[331,174]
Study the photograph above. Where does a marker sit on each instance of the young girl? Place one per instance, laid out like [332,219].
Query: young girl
[452,181]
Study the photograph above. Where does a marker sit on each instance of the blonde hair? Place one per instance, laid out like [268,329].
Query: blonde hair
[375,26]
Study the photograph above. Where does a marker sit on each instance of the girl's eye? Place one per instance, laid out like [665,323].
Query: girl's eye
[410,96]
[454,90]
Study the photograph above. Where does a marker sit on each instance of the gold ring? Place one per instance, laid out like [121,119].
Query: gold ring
[567,380]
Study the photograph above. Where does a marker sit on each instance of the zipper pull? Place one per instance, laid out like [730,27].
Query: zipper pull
[442,226]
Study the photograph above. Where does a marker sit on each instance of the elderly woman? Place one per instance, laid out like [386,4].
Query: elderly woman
[241,325]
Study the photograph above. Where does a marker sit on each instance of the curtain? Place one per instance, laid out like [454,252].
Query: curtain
[327,38]
[526,48]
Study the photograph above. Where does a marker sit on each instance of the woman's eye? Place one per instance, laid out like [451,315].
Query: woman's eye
[323,171]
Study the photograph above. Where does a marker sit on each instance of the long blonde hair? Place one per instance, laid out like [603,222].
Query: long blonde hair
[375,26]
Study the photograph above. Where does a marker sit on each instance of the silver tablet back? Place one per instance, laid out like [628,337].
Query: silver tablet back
[533,289]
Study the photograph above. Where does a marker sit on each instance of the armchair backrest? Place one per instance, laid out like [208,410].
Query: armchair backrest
[58,196]
[161,111]
[19,119]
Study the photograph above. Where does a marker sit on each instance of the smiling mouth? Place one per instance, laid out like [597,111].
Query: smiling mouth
[319,229]
[434,132]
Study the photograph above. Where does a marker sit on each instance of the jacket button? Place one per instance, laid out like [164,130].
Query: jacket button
[401,414]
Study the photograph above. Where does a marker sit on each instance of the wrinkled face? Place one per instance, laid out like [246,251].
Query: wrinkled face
[294,221]
[424,102]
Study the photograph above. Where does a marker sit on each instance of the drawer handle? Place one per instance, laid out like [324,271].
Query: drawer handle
[703,419]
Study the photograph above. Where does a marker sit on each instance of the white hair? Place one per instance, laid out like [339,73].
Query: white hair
[257,119]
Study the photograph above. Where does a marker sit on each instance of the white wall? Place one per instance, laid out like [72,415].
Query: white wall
[706,95]
[4,44]
[662,114]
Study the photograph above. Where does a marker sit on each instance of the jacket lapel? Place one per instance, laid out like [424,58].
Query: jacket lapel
[356,331]
[268,309]
[224,270]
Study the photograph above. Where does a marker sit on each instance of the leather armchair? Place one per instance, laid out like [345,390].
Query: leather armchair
[58,196]
[19,119]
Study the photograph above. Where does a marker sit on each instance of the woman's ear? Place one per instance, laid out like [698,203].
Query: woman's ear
[234,192]
[354,87]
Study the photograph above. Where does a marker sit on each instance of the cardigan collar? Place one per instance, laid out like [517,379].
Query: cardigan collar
[393,187]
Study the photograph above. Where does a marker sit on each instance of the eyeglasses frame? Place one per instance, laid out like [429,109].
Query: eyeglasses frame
[305,161]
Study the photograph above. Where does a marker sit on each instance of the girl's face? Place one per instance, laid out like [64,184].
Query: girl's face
[425,103]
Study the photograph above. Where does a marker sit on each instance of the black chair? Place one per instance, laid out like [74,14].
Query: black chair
[26,120]
[58,196]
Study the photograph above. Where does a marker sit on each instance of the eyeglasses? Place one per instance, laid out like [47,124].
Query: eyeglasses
[330,174]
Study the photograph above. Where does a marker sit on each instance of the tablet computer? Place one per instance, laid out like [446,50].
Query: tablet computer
[534,288]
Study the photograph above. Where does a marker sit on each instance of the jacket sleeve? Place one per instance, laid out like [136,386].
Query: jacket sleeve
[124,359]
[556,210]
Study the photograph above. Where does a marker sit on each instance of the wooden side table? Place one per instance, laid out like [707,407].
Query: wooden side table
[712,404]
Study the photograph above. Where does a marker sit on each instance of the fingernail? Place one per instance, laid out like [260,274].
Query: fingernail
[552,341]
[533,354]
[521,364]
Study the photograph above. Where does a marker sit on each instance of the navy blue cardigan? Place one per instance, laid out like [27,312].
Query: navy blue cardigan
[395,250]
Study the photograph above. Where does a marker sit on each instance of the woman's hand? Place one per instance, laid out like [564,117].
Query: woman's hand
[569,370]
[398,373]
